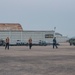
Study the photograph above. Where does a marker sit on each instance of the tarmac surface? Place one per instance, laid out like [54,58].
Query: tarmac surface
[40,60]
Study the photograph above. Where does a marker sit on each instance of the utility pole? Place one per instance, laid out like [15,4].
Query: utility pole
[54,31]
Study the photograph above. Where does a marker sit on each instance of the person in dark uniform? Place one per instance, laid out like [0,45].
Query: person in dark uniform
[54,43]
[30,43]
[7,43]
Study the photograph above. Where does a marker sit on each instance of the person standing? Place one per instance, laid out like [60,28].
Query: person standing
[30,43]
[7,43]
[54,43]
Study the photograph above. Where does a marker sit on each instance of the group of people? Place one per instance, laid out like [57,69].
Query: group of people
[30,43]
[7,43]
[54,43]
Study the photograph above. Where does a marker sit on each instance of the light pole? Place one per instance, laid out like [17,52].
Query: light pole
[54,31]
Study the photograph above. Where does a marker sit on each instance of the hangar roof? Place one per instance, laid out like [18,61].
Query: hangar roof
[10,26]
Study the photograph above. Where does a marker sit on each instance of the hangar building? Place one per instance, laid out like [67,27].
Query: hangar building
[16,33]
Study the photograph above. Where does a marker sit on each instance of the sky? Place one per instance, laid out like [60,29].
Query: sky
[40,14]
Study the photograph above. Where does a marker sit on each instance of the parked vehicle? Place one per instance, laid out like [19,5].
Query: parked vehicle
[21,43]
[42,43]
[72,41]
[2,42]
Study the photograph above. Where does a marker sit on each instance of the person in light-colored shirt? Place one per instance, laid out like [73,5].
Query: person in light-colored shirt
[30,43]
[7,43]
